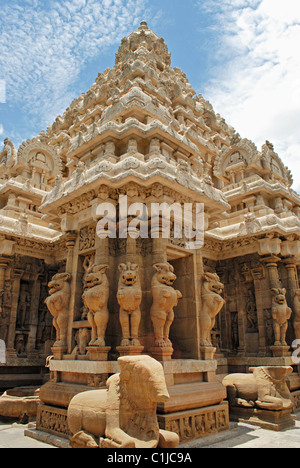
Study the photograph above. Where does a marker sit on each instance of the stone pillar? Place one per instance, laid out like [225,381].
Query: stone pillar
[292,275]
[274,282]
[260,306]
[17,274]
[3,266]
[271,265]
[198,274]
[241,309]
[72,268]
[159,243]
[102,251]
[292,290]
[33,321]
[3,312]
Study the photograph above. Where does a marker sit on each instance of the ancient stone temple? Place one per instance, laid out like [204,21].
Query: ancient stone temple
[140,136]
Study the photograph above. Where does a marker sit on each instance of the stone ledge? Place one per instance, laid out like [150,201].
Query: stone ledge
[176,366]
[50,439]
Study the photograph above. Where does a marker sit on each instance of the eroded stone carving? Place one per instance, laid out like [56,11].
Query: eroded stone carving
[265,388]
[165,298]
[129,298]
[212,303]
[58,305]
[281,314]
[124,415]
[95,298]
[297,313]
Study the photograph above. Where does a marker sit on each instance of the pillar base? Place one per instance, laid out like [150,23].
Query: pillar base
[207,353]
[161,354]
[130,350]
[58,352]
[280,351]
[98,353]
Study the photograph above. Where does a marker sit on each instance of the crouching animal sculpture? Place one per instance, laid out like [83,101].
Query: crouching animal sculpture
[58,305]
[95,298]
[129,297]
[265,388]
[165,298]
[281,314]
[212,303]
[124,415]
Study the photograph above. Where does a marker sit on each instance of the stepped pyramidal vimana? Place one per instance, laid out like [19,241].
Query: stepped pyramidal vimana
[100,273]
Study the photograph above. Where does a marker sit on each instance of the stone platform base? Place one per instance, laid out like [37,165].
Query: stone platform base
[196,406]
[196,423]
[53,420]
[20,403]
[50,439]
[266,419]
[240,364]
[189,425]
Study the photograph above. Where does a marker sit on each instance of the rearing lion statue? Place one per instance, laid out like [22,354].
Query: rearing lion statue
[58,305]
[212,303]
[124,415]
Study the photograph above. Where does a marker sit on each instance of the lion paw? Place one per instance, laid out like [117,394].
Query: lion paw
[125,342]
[135,342]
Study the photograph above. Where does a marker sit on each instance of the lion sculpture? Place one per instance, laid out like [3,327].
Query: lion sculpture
[212,303]
[124,415]
[129,297]
[165,298]
[265,388]
[281,314]
[58,305]
[95,298]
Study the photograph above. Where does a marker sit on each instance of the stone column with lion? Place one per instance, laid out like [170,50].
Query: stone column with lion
[212,303]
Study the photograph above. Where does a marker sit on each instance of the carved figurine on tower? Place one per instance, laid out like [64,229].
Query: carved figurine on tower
[165,298]
[129,297]
[212,303]
[281,314]
[95,298]
[58,305]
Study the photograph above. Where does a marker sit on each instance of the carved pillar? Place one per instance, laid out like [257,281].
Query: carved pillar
[70,243]
[159,243]
[17,274]
[292,274]
[260,306]
[33,321]
[198,274]
[292,290]
[3,266]
[273,275]
[3,312]
[241,309]
[72,246]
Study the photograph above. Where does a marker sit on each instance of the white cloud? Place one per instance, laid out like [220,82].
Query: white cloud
[256,85]
[45,46]
[1,129]
[2,91]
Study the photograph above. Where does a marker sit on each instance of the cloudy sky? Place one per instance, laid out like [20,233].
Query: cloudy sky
[242,55]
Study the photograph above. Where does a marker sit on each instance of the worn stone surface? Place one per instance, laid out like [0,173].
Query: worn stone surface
[140,134]
[124,415]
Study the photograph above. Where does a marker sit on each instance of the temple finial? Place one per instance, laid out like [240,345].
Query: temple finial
[144,25]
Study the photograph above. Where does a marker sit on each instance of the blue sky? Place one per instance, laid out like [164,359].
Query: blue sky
[242,55]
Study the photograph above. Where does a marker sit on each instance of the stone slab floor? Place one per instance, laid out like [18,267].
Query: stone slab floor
[239,436]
